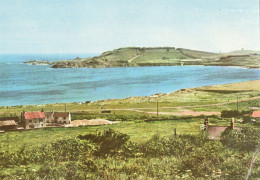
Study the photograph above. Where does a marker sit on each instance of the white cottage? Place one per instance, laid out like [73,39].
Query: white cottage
[62,117]
[33,119]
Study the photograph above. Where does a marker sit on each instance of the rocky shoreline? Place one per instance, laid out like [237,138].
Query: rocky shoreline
[36,62]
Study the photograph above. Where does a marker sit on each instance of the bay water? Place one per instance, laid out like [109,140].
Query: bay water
[23,84]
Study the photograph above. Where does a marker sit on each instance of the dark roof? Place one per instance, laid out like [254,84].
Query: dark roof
[8,123]
[34,115]
[61,114]
[48,113]
[16,118]
[215,131]
[256,114]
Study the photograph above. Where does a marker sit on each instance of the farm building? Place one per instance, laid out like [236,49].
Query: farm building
[8,125]
[58,117]
[15,118]
[62,117]
[33,119]
[256,116]
[215,132]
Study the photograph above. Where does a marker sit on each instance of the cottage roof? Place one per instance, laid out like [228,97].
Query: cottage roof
[34,115]
[215,131]
[61,114]
[8,123]
[48,113]
[15,118]
[256,114]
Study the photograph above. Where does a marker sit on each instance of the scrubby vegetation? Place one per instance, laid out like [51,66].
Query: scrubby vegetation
[111,155]
[234,113]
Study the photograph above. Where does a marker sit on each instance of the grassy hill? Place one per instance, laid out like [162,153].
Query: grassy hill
[163,56]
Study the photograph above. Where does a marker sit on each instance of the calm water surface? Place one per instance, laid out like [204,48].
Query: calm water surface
[28,84]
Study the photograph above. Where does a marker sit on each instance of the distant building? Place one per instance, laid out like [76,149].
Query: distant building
[256,116]
[215,132]
[15,118]
[58,117]
[8,125]
[62,117]
[33,119]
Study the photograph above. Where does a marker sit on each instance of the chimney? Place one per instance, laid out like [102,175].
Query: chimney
[206,124]
[22,115]
[22,119]
[42,110]
[232,124]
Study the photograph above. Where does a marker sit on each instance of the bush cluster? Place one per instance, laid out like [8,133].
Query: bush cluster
[233,113]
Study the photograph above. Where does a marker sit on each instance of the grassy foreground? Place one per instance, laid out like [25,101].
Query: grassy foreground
[111,155]
[142,146]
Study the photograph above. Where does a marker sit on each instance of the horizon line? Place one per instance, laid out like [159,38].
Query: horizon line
[219,51]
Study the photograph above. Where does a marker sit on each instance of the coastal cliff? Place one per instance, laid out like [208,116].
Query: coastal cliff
[162,56]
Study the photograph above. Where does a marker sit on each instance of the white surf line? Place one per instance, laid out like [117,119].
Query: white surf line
[253,161]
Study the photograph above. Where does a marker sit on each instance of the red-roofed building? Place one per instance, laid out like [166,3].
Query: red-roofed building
[256,116]
[33,119]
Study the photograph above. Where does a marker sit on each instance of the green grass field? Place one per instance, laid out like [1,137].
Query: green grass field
[138,132]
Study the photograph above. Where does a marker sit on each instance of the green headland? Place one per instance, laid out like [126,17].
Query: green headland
[162,56]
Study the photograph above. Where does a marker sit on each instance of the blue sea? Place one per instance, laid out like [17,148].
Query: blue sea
[23,84]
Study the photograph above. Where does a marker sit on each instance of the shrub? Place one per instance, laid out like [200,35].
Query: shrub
[245,140]
[229,114]
[64,150]
[233,113]
[108,142]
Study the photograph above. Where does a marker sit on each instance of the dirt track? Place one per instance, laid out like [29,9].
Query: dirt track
[187,113]
[182,111]
[92,122]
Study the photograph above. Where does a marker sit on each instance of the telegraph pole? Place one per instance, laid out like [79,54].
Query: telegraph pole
[237,102]
[157,109]
[65,108]
[7,143]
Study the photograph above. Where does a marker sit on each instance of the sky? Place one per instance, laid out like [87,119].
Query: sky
[95,26]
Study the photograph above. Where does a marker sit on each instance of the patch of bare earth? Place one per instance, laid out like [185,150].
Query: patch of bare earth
[92,122]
